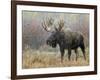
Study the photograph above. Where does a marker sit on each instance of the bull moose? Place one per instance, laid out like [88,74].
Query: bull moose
[66,39]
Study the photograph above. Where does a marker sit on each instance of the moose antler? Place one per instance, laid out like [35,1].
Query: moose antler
[47,23]
[60,24]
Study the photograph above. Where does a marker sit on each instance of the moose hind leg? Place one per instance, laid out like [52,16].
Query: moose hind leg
[82,46]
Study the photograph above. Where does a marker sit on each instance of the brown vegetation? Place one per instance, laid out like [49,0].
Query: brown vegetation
[44,59]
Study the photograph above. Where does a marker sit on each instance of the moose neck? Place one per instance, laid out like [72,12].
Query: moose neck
[60,39]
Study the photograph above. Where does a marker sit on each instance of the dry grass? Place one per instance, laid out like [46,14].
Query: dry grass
[42,59]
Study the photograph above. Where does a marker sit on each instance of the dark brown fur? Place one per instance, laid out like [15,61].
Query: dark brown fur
[67,40]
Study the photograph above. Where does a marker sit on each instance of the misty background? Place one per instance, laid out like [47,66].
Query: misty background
[34,36]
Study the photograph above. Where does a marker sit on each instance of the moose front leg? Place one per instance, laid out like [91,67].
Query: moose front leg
[76,54]
[62,53]
[69,54]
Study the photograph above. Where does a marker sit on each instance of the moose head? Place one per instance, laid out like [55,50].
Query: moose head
[56,32]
